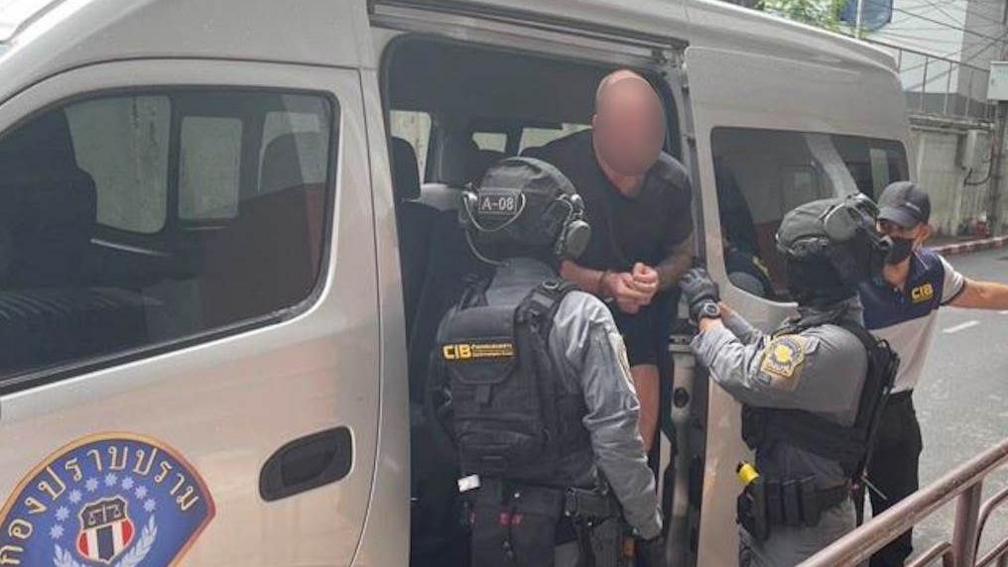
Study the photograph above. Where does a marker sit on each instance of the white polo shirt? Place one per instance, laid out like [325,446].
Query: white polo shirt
[907,319]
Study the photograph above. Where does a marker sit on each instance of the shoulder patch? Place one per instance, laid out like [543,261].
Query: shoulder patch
[783,360]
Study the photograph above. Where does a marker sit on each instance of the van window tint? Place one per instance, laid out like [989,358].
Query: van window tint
[82,277]
[122,143]
[415,128]
[762,174]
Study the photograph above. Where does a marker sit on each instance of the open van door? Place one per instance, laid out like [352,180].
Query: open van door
[773,129]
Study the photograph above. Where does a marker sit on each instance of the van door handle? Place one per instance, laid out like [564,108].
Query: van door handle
[306,463]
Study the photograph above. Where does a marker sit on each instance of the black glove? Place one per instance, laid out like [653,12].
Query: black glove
[651,552]
[698,289]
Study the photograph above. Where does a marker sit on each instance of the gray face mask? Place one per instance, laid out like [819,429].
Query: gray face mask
[900,250]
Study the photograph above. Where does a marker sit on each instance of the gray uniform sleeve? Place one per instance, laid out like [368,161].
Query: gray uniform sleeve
[742,329]
[585,334]
[814,370]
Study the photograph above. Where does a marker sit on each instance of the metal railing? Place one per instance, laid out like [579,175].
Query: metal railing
[965,483]
[922,72]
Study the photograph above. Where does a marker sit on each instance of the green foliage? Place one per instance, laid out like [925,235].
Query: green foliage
[820,13]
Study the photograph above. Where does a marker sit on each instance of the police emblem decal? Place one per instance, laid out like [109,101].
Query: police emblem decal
[783,359]
[112,500]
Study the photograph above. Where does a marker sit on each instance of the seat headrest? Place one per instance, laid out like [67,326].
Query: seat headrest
[41,149]
[292,160]
[456,160]
[405,171]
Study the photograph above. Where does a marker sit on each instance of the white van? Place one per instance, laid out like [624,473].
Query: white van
[226,228]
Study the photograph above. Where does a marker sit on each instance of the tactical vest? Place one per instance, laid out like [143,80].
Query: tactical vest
[512,418]
[848,445]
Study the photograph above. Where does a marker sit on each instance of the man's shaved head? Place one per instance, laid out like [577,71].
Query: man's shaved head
[629,123]
[610,80]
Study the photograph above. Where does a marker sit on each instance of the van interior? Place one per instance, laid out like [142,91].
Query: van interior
[453,110]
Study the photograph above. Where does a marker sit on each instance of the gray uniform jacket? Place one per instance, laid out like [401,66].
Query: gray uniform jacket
[588,351]
[821,370]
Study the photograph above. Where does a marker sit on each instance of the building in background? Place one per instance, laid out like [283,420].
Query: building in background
[944,49]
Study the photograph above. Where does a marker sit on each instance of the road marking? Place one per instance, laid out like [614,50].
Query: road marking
[961,327]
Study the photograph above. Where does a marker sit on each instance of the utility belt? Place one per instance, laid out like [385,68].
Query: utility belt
[516,523]
[767,502]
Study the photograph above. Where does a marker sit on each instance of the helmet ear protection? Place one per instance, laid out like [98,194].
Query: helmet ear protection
[851,243]
[564,216]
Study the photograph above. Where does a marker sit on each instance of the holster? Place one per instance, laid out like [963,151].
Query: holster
[514,525]
[598,521]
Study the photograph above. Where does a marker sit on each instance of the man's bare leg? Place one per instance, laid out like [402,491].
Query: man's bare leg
[645,377]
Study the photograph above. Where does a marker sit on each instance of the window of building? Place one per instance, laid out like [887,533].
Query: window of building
[94,261]
[762,174]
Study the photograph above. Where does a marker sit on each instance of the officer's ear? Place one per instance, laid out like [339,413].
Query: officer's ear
[925,232]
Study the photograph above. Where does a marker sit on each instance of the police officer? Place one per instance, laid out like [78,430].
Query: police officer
[535,378]
[811,391]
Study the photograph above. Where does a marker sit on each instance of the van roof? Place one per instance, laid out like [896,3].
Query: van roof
[15,14]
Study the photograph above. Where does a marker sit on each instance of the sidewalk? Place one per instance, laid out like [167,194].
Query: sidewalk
[951,246]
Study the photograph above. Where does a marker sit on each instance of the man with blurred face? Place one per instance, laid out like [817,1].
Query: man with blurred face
[637,199]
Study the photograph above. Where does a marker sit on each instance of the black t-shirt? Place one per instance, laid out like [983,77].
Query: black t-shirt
[646,228]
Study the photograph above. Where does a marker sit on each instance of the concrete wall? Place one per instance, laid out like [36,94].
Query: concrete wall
[958,188]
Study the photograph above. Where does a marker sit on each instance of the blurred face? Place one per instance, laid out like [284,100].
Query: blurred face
[629,127]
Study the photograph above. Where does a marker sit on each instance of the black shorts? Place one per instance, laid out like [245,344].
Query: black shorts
[646,332]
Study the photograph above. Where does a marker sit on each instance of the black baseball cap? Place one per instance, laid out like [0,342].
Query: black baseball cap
[905,204]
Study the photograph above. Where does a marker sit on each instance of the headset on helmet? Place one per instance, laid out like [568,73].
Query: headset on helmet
[563,216]
[845,234]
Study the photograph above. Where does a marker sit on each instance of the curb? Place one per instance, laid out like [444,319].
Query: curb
[971,246]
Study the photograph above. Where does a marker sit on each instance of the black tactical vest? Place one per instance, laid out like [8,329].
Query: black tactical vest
[848,445]
[512,418]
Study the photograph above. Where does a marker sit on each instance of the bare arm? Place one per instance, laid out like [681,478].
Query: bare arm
[982,295]
[676,264]
[587,279]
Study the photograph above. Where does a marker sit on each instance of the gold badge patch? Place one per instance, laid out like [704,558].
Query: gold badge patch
[783,359]
[922,293]
[476,351]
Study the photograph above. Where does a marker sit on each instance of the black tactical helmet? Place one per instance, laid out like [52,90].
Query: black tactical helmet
[524,206]
[831,246]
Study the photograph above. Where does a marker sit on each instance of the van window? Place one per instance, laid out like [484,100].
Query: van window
[762,174]
[122,143]
[209,167]
[493,141]
[93,262]
[415,128]
[533,137]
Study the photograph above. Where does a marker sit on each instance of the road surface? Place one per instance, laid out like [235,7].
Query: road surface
[962,398]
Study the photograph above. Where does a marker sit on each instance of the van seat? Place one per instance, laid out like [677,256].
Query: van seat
[48,313]
[415,220]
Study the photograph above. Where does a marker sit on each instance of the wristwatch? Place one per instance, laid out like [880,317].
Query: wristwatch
[710,310]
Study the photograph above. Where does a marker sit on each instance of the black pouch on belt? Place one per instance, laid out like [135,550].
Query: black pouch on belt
[811,510]
[792,503]
[515,526]
[751,510]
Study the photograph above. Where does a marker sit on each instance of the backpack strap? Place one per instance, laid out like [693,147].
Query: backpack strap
[533,323]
